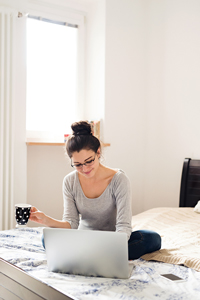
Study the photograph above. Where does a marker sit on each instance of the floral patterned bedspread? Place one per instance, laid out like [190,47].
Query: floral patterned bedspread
[23,248]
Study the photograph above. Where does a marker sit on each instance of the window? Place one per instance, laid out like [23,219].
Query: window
[51,78]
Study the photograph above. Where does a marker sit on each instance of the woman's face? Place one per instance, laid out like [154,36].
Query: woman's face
[86,162]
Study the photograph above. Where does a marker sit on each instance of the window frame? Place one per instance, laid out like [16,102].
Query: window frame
[61,12]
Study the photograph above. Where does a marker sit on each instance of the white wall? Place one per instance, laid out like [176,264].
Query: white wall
[151,94]
[172,106]
[95,61]
[142,59]
[47,167]
[125,91]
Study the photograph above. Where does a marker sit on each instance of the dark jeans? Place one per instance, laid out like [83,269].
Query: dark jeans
[142,242]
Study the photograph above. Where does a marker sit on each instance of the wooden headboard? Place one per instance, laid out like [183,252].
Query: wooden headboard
[190,183]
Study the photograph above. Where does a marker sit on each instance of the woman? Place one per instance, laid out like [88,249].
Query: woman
[97,197]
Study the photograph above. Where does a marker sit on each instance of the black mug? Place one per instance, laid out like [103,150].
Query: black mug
[22,213]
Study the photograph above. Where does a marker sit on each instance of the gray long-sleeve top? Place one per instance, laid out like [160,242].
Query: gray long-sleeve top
[111,211]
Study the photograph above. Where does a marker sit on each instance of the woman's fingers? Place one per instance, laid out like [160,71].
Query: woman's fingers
[33,209]
[36,215]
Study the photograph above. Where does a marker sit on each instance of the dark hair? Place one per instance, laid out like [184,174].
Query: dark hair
[81,138]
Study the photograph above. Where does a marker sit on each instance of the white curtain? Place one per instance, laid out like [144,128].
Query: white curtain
[7,22]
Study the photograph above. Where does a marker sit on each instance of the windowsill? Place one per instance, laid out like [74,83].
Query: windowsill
[44,144]
[30,142]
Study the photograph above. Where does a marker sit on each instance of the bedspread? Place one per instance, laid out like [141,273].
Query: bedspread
[180,232]
[23,248]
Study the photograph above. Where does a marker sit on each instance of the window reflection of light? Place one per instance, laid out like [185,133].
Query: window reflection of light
[51,76]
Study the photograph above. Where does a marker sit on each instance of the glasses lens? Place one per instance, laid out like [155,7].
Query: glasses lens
[78,166]
[87,164]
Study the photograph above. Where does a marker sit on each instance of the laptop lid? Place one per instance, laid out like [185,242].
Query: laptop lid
[87,252]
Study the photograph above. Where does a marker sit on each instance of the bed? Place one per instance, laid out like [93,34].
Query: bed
[24,274]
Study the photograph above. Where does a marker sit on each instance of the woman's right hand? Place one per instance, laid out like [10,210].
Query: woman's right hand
[37,216]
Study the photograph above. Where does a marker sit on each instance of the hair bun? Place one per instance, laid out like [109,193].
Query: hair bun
[81,128]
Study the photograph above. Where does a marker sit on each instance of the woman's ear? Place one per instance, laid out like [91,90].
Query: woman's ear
[99,152]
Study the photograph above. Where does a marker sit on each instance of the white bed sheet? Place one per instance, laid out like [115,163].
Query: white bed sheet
[23,248]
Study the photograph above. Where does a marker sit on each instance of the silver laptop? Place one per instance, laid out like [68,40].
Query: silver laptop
[87,252]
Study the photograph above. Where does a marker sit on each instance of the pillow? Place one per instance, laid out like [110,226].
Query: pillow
[197,207]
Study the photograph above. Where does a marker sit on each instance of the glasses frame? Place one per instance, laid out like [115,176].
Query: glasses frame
[80,166]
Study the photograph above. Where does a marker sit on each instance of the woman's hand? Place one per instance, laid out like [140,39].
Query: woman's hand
[37,216]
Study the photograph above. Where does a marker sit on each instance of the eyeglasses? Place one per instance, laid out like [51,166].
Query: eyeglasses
[88,163]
